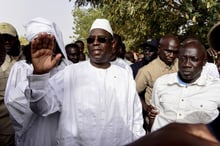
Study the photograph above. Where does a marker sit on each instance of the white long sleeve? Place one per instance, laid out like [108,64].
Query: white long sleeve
[91,100]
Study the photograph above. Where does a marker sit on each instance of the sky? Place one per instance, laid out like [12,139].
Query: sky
[18,12]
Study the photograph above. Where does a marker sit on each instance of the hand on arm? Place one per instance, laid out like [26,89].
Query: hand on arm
[152,112]
[43,59]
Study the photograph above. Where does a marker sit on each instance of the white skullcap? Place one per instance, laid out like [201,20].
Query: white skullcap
[40,25]
[102,24]
[36,26]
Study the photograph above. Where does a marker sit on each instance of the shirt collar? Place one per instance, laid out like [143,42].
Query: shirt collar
[7,62]
[201,81]
[164,65]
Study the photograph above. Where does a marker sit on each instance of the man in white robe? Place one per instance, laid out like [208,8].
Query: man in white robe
[32,129]
[97,101]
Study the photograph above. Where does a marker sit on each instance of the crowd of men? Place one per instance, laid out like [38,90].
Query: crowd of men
[56,94]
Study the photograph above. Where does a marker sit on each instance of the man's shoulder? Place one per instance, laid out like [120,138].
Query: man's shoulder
[153,65]
[139,64]
[210,79]
[167,77]
[79,65]
[209,64]
[118,68]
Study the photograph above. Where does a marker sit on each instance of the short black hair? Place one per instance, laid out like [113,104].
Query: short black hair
[72,45]
[79,41]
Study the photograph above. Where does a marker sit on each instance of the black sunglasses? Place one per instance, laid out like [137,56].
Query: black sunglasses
[6,37]
[100,39]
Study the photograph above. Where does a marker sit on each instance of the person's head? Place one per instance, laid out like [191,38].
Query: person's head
[26,50]
[73,52]
[189,40]
[150,49]
[122,51]
[2,55]
[213,37]
[192,58]
[118,47]
[9,39]
[41,25]
[100,43]
[168,48]
[80,44]
[130,56]
[82,56]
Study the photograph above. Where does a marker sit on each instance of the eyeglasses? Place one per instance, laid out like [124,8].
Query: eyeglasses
[100,39]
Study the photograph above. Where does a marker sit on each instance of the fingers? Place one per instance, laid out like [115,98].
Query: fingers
[43,41]
[42,48]
[56,59]
[152,115]
[212,52]
[152,111]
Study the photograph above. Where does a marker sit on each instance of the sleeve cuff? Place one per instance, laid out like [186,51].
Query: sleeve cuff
[37,86]
[38,81]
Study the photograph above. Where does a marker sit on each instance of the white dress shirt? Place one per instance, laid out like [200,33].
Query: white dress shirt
[120,62]
[210,69]
[176,101]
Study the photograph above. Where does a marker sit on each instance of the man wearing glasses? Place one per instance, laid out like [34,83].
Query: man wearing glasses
[150,53]
[97,101]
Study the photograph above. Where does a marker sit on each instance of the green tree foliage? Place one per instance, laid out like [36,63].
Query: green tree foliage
[83,19]
[139,20]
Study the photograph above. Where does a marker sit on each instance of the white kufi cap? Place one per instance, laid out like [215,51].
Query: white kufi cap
[36,26]
[40,25]
[102,24]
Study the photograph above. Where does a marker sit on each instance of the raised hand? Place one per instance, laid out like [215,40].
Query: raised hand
[213,54]
[43,59]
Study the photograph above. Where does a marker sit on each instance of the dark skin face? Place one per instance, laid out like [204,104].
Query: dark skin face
[2,55]
[149,54]
[10,44]
[192,58]
[115,50]
[81,46]
[100,53]
[73,54]
[168,49]
[82,56]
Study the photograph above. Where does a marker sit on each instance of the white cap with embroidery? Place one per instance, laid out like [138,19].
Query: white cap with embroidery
[102,24]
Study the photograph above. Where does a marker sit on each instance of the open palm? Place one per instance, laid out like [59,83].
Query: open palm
[43,59]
